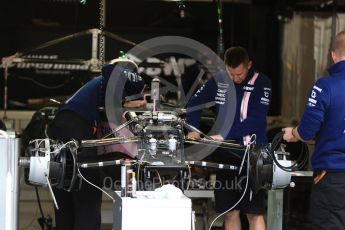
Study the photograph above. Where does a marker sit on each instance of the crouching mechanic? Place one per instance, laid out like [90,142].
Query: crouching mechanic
[78,119]
[253,95]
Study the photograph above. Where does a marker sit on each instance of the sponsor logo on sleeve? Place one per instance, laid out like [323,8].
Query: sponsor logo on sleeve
[220,97]
[132,76]
[199,90]
[312,100]
[265,100]
[317,88]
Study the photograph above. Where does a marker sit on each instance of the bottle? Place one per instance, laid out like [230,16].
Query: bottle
[123,180]
[155,93]
[129,187]
[134,185]
[126,179]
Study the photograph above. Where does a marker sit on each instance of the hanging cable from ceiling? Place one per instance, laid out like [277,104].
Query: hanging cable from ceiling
[102,20]
[220,40]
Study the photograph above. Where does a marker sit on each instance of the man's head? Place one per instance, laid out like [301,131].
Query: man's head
[125,62]
[237,63]
[124,70]
[338,48]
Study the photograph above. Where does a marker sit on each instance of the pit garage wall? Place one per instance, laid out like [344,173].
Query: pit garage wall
[306,43]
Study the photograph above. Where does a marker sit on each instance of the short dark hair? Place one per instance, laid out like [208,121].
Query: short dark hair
[339,44]
[235,56]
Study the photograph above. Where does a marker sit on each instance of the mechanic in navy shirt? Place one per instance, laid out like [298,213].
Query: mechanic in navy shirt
[253,95]
[78,119]
[323,122]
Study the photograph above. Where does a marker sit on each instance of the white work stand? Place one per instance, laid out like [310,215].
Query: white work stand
[9,183]
[147,212]
[275,204]
[204,195]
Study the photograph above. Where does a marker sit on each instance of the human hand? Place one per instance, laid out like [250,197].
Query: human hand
[193,135]
[135,104]
[288,135]
[217,137]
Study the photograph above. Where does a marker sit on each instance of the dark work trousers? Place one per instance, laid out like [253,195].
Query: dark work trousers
[78,209]
[327,202]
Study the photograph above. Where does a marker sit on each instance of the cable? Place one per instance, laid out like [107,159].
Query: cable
[31,223]
[43,221]
[81,175]
[189,177]
[41,84]
[245,189]
[109,141]
[218,144]
[102,21]
[72,145]
[159,177]
[251,141]
[138,170]
[220,41]
[300,162]
[39,202]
